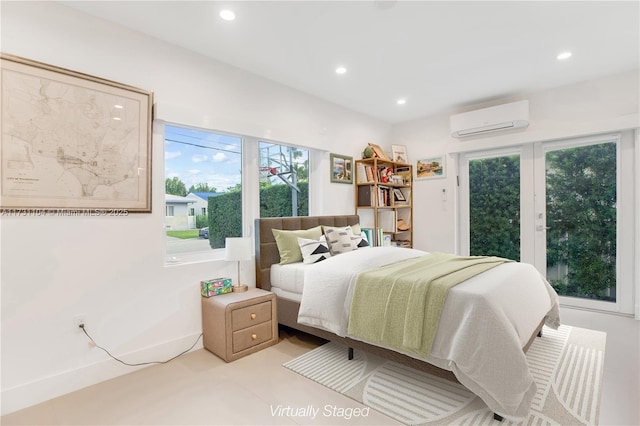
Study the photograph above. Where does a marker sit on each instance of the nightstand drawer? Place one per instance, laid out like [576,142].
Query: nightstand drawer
[252,336]
[251,315]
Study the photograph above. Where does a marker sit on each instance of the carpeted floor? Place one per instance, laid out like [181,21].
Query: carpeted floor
[566,365]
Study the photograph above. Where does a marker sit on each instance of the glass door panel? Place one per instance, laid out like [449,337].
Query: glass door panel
[494,206]
[581,212]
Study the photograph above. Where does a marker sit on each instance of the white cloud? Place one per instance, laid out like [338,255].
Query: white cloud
[199,158]
[219,157]
[170,155]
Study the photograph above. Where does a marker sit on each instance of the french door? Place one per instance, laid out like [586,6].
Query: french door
[555,205]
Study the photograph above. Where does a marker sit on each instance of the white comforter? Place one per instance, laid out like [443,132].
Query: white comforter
[485,322]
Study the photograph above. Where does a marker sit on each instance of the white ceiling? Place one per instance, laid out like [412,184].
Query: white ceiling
[437,55]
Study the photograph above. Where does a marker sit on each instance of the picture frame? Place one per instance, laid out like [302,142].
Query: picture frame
[341,168]
[398,195]
[399,154]
[431,167]
[72,143]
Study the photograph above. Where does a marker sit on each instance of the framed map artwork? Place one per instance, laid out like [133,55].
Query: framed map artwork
[72,142]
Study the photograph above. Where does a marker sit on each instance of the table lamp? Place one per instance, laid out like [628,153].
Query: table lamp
[237,249]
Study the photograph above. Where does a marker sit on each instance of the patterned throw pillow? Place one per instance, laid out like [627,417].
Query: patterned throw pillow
[361,240]
[314,250]
[340,240]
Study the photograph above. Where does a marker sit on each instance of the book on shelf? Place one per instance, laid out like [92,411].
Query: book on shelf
[384,196]
[368,234]
[361,173]
[366,196]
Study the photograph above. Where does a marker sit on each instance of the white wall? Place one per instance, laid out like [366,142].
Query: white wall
[597,106]
[112,268]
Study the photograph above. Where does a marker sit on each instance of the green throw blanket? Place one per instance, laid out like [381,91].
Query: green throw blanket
[399,305]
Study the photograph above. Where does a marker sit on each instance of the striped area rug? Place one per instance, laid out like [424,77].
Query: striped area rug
[566,365]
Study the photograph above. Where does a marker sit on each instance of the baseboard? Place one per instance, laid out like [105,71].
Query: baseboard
[35,392]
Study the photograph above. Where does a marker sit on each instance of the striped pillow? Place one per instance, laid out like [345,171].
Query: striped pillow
[314,250]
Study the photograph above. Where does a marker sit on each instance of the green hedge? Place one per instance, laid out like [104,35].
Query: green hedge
[275,200]
[225,210]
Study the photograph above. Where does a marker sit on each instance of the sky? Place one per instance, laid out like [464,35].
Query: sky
[196,156]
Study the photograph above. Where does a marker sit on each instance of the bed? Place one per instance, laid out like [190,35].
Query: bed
[489,360]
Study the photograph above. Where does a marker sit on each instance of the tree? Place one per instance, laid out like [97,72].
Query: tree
[202,187]
[581,215]
[494,201]
[175,186]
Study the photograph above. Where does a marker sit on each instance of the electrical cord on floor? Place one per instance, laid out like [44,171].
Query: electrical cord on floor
[83,328]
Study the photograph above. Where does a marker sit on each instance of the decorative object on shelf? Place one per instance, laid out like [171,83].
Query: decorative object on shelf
[378,152]
[341,169]
[92,155]
[402,225]
[368,152]
[215,286]
[237,249]
[431,167]
[399,196]
[399,153]
[405,173]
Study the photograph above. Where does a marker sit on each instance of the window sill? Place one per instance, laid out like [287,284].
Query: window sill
[179,259]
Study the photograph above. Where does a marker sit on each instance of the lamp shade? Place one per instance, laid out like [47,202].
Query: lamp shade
[237,248]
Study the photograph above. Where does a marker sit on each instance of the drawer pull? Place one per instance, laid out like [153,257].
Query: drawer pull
[254,336]
[253,316]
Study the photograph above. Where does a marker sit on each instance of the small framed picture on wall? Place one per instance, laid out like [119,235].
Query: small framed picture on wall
[341,168]
[431,167]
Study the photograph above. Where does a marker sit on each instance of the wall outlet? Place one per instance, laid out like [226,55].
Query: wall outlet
[78,320]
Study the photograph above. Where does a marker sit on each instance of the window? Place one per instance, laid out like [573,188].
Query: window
[560,206]
[168,210]
[203,173]
[284,180]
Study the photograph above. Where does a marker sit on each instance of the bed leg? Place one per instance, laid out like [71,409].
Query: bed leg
[540,333]
[350,355]
[497,417]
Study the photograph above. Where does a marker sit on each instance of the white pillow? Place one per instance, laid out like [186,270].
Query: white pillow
[314,250]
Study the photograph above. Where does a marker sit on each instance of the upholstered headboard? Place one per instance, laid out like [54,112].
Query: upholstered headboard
[266,248]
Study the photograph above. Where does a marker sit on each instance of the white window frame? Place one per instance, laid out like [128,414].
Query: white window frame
[207,255]
[250,190]
[532,176]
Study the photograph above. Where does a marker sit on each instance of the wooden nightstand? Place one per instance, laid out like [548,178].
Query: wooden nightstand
[238,324]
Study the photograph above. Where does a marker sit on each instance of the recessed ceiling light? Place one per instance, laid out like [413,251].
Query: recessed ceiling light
[401,101]
[341,70]
[227,15]
[564,55]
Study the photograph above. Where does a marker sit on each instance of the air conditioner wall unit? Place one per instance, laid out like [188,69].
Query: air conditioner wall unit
[488,120]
